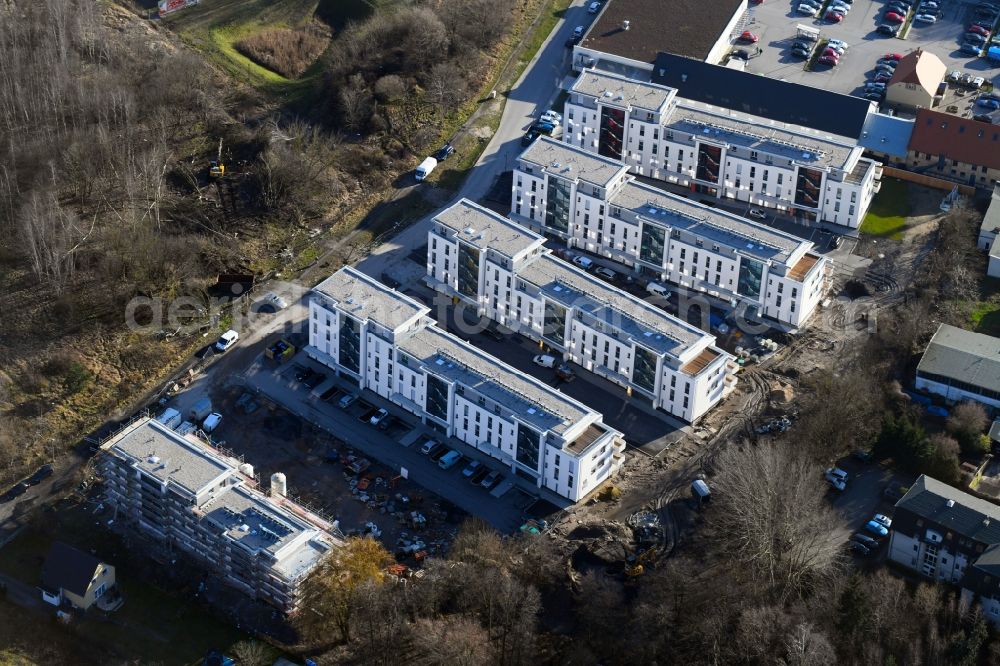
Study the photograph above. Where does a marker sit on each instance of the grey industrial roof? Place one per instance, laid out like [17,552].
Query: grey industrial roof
[647,325]
[887,134]
[691,27]
[168,456]
[259,524]
[794,142]
[970,357]
[366,298]
[67,568]
[530,400]
[570,162]
[483,228]
[784,101]
[622,90]
[991,221]
[743,236]
[928,498]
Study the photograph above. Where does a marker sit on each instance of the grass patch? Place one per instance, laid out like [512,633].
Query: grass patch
[151,627]
[538,36]
[887,216]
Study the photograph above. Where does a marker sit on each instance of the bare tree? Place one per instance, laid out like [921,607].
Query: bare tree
[771,514]
[355,103]
[453,640]
[807,647]
[968,422]
[252,653]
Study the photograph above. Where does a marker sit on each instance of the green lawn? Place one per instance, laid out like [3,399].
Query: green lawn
[887,216]
[151,627]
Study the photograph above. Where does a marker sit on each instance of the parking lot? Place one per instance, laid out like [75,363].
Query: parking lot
[775,24]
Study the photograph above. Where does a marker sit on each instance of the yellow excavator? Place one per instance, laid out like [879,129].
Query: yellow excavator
[635,568]
[216,169]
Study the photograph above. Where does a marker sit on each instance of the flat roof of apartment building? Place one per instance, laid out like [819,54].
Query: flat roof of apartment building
[572,163]
[260,523]
[533,402]
[168,456]
[687,27]
[744,236]
[646,324]
[622,90]
[366,298]
[793,142]
[782,101]
[484,229]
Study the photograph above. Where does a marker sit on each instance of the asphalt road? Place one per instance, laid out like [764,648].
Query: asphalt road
[532,94]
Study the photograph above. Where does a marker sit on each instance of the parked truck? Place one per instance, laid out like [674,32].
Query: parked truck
[425,168]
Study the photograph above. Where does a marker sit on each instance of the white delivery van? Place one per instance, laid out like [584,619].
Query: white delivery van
[657,289]
[425,168]
[545,360]
[200,410]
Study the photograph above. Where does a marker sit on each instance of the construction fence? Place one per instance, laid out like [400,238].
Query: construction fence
[928,181]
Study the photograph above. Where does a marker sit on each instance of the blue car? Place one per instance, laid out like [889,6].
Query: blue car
[989,103]
[876,528]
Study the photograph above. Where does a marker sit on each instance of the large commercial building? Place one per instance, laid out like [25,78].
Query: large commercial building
[961,365]
[950,536]
[385,341]
[591,202]
[503,270]
[628,34]
[722,152]
[190,497]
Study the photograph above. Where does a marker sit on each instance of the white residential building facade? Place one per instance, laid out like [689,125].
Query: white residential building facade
[718,152]
[507,275]
[385,341]
[592,203]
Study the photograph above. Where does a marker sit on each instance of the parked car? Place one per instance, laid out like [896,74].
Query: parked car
[572,41]
[865,540]
[479,475]
[594,8]
[988,103]
[471,468]
[544,360]
[42,473]
[883,520]
[605,273]
[14,491]
[886,29]
[893,56]
[808,10]
[226,340]
[438,452]
[446,151]
[586,263]
[859,549]
[748,37]
[876,528]
[529,136]
[347,400]
[979,30]
[578,31]
[828,60]
[875,95]
[551,116]
[834,16]
[211,422]
[379,417]
[954,76]
[449,460]
[893,17]
[565,372]
[802,53]
[971,49]
[978,82]
[838,43]
[888,62]
[428,446]
[269,304]
[836,477]
[491,479]
[983,117]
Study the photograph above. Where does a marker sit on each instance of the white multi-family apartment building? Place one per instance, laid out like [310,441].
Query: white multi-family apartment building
[386,342]
[720,152]
[592,203]
[503,270]
[194,499]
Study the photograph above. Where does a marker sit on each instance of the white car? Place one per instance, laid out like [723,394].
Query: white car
[544,360]
[583,262]
[594,8]
[578,31]
[839,7]
[226,340]
[551,116]
[211,422]
[837,478]
[808,10]
[883,520]
[838,44]
[925,18]
[757,214]
[978,82]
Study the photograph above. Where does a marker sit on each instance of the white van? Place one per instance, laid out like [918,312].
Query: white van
[211,422]
[545,360]
[200,409]
[170,417]
[425,168]
[657,289]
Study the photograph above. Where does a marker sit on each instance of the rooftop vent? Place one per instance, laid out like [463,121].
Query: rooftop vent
[950,503]
[986,521]
[469,230]
[607,93]
[625,24]
[152,460]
